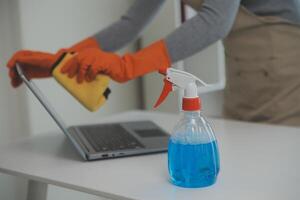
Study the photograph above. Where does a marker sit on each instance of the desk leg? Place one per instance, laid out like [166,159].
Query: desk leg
[37,190]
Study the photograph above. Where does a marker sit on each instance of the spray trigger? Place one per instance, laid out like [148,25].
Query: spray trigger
[168,87]
[178,79]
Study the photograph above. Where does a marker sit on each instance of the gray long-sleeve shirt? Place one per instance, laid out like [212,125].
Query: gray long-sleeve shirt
[213,22]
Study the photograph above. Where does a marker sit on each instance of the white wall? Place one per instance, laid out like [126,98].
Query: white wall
[12,114]
[47,26]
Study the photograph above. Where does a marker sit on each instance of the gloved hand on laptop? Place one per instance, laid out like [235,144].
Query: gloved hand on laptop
[92,61]
[36,64]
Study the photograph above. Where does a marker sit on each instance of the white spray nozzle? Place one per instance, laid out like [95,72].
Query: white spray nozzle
[179,79]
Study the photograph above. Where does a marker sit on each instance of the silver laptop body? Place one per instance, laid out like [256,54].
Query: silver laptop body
[102,141]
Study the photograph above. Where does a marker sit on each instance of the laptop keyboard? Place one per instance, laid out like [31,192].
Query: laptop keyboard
[110,138]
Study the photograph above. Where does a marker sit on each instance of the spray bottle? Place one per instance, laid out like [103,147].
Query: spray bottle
[193,157]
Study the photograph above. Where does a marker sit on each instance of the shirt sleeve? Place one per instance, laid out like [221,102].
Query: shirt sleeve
[213,22]
[130,25]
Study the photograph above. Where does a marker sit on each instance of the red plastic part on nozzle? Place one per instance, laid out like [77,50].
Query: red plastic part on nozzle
[164,93]
[191,104]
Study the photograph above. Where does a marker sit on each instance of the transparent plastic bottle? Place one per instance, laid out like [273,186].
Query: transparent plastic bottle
[193,156]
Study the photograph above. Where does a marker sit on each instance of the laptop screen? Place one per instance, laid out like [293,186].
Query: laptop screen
[43,100]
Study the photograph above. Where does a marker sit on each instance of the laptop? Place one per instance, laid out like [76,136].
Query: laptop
[110,140]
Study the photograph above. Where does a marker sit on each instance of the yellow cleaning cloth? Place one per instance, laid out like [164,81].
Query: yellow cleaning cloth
[92,95]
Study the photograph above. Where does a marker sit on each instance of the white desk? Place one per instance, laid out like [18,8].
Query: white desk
[257,162]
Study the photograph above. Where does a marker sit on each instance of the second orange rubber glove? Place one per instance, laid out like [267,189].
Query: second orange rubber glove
[91,61]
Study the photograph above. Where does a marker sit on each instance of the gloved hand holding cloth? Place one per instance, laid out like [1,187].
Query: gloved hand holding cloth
[90,62]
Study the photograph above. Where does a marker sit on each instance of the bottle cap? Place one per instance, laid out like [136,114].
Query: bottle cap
[191,100]
[191,104]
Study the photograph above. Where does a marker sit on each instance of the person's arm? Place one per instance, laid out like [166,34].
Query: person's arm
[130,25]
[212,23]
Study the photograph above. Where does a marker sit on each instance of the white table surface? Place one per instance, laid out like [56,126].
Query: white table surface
[257,162]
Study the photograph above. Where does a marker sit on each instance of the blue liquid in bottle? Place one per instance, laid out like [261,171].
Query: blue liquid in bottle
[193,165]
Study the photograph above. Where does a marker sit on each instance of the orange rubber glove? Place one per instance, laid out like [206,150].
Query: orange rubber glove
[35,64]
[92,61]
